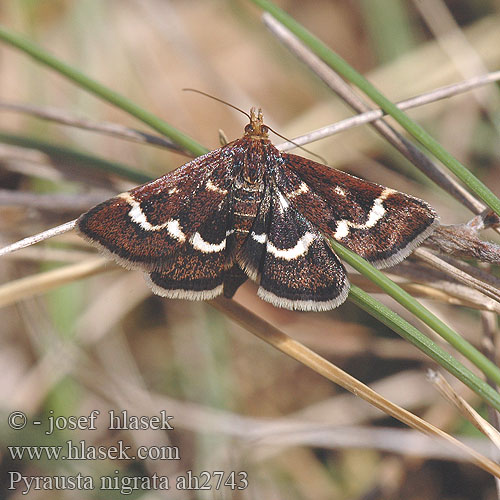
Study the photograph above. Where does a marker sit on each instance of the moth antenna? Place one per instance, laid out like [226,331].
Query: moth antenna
[220,100]
[323,160]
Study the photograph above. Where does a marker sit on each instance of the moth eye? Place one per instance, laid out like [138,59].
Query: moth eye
[265,129]
[249,128]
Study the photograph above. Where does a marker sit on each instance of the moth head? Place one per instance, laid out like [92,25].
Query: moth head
[256,128]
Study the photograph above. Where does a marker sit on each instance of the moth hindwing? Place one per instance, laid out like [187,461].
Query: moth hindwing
[248,211]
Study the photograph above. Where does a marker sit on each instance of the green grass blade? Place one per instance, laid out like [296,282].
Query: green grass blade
[101,91]
[410,333]
[406,300]
[350,74]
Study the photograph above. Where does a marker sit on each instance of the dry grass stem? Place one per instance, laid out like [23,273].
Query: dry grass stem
[49,254]
[29,286]
[64,117]
[405,147]
[375,114]
[433,288]
[31,240]
[465,408]
[457,274]
[299,352]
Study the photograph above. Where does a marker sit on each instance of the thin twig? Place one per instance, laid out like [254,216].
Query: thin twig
[374,114]
[461,240]
[427,283]
[457,274]
[28,286]
[410,151]
[114,129]
[478,273]
[31,240]
[46,253]
[416,273]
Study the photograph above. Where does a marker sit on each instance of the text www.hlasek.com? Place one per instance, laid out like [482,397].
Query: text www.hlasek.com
[72,450]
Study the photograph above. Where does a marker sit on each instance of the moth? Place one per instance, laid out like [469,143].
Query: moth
[246,210]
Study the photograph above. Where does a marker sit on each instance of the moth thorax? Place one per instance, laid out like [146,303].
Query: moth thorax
[251,175]
[253,164]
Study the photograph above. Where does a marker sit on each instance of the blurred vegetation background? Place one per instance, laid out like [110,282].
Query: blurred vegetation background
[107,343]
